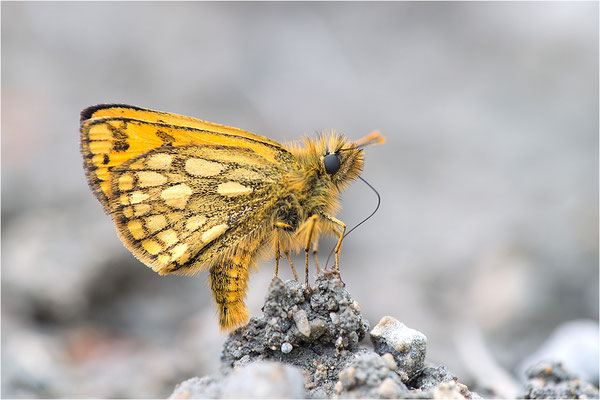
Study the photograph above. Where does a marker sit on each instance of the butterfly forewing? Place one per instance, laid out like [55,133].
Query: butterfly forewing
[109,140]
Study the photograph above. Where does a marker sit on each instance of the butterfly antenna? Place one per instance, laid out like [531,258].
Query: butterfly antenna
[364,220]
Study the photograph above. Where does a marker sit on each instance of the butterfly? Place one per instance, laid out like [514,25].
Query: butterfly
[188,195]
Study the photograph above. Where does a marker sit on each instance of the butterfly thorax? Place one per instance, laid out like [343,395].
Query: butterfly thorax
[311,190]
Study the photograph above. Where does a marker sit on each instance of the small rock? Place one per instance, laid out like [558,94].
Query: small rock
[389,359]
[431,377]
[338,387]
[194,388]
[362,375]
[301,320]
[451,390]
[407,346]
[335,319]
[286,348]
[347,377]
[389,389]
[320,372]
[370,377]
[549,380]
[264,379]
[318,327]
[575,344]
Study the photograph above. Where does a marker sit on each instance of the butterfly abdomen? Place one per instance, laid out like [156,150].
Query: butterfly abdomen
[229,282]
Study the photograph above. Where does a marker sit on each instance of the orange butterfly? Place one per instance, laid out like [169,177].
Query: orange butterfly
[187,195]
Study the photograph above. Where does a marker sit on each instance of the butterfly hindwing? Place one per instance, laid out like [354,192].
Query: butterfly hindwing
[172,204]
[179,195]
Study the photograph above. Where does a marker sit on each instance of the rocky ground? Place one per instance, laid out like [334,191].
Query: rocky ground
[308,344]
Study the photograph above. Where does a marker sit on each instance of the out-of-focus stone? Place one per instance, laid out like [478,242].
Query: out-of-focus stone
[407,346]
[549,380]
[197,388]
[453,390]
[347,377]
[389,389]
[264,380]
[389,359]
[575,344]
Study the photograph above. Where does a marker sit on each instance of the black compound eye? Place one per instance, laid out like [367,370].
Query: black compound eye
[332,163]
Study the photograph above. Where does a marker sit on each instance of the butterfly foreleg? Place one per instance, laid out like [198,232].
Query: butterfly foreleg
[338,247]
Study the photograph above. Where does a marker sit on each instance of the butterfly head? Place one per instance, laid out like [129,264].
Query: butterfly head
[338,159]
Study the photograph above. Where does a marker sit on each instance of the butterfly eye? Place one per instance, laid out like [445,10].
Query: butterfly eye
[332,163]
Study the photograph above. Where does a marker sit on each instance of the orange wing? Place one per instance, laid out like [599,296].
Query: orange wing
[114,134]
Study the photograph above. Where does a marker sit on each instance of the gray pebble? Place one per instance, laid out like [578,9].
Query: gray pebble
[406,345]
[286,348]
[347,377]
[301,320]
[550,380]
[389,389]
[335,319]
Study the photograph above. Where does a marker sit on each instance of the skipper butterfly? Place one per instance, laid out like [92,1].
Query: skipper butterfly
[188,195]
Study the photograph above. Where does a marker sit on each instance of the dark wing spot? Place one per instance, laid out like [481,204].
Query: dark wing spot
[106,159]
[177,266]
[165,136]
[178,163]
[120,146]
[118,133]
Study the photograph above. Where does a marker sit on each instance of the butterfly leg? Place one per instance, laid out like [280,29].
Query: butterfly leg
[229,281]
[315,251]
[285,227]
[312,221]
[277,256]
[338,247]
[287,254]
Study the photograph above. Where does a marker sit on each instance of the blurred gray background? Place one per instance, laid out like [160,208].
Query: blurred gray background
[487,236]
